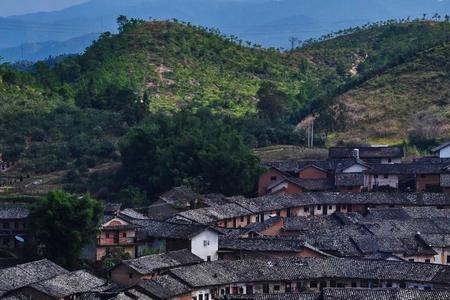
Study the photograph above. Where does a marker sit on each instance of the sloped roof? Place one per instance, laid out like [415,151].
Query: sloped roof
[261,226]
[243,271]
[407,169]
[13,213]
[130,214]
[384,294]
[292,296]
[148,264]
[163,287]
[68,284]
[366,152]
[157,229]
[440,147]
[208,215]
[25,274]
[350,179]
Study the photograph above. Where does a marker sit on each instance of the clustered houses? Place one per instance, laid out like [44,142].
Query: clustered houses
[359,169]
[360,225]
[134,234]
[241,212]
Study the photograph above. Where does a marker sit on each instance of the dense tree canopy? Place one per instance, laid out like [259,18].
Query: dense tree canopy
[63,224]
[168,151]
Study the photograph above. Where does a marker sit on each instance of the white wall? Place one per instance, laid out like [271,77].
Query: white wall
[445,152]
[199,248]
[356,168]
[391,181]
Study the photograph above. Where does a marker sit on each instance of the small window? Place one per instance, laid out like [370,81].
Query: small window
[427,260]
[332,283]
[227,290]
[206,296]
[222,291]
[208,258]
[306,209]
[341,285]
[130,275]
[364,284]
[402,285]
[107,235]
[386,176]
[389,284]
[124,234]
[276,288]
[194,298]
[313,284]
[319,207]
[200,297]
[448,259]
[354,284]
[389,160]
[273,178]
[241,290]
[411,259]
[265,288]
[330,206]
[375,176]
[205,243]
[242,219]
[323,284]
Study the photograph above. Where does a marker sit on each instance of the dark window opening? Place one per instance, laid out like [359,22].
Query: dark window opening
[313,284]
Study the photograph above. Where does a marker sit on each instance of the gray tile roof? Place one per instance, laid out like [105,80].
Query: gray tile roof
[148,264]
[265,244]
[157,229]
[384,294]
[366,152]
[407,169]
[130,214]
[261,226]
[293,296]
[163,287]
[68,284]
[436,240]
[13,213]
[245,271]
[25,274]
[211,214]
[349,179]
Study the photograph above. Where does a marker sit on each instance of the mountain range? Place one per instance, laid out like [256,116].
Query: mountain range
[267,22]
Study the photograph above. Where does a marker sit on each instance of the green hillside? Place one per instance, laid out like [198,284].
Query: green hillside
[386,82]
[396,85]
[174,66]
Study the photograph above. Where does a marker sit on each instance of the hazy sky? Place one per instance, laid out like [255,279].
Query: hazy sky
[18,7]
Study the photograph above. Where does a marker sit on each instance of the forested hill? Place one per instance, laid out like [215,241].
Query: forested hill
[397,85]
[377,83]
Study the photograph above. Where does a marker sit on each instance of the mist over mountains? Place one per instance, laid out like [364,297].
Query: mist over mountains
[266,22]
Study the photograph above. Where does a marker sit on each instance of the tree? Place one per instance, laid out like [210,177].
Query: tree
[122,22]
[272,102]
[62,224]
[167,151]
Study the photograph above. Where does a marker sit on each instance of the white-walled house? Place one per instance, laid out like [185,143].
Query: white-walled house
[442,151]
[201,240]
[205,244]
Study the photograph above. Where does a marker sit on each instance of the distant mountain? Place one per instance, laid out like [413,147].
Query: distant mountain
[266,22]
[41,51]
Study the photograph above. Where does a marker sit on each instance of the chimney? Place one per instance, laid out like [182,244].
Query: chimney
[355,153]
